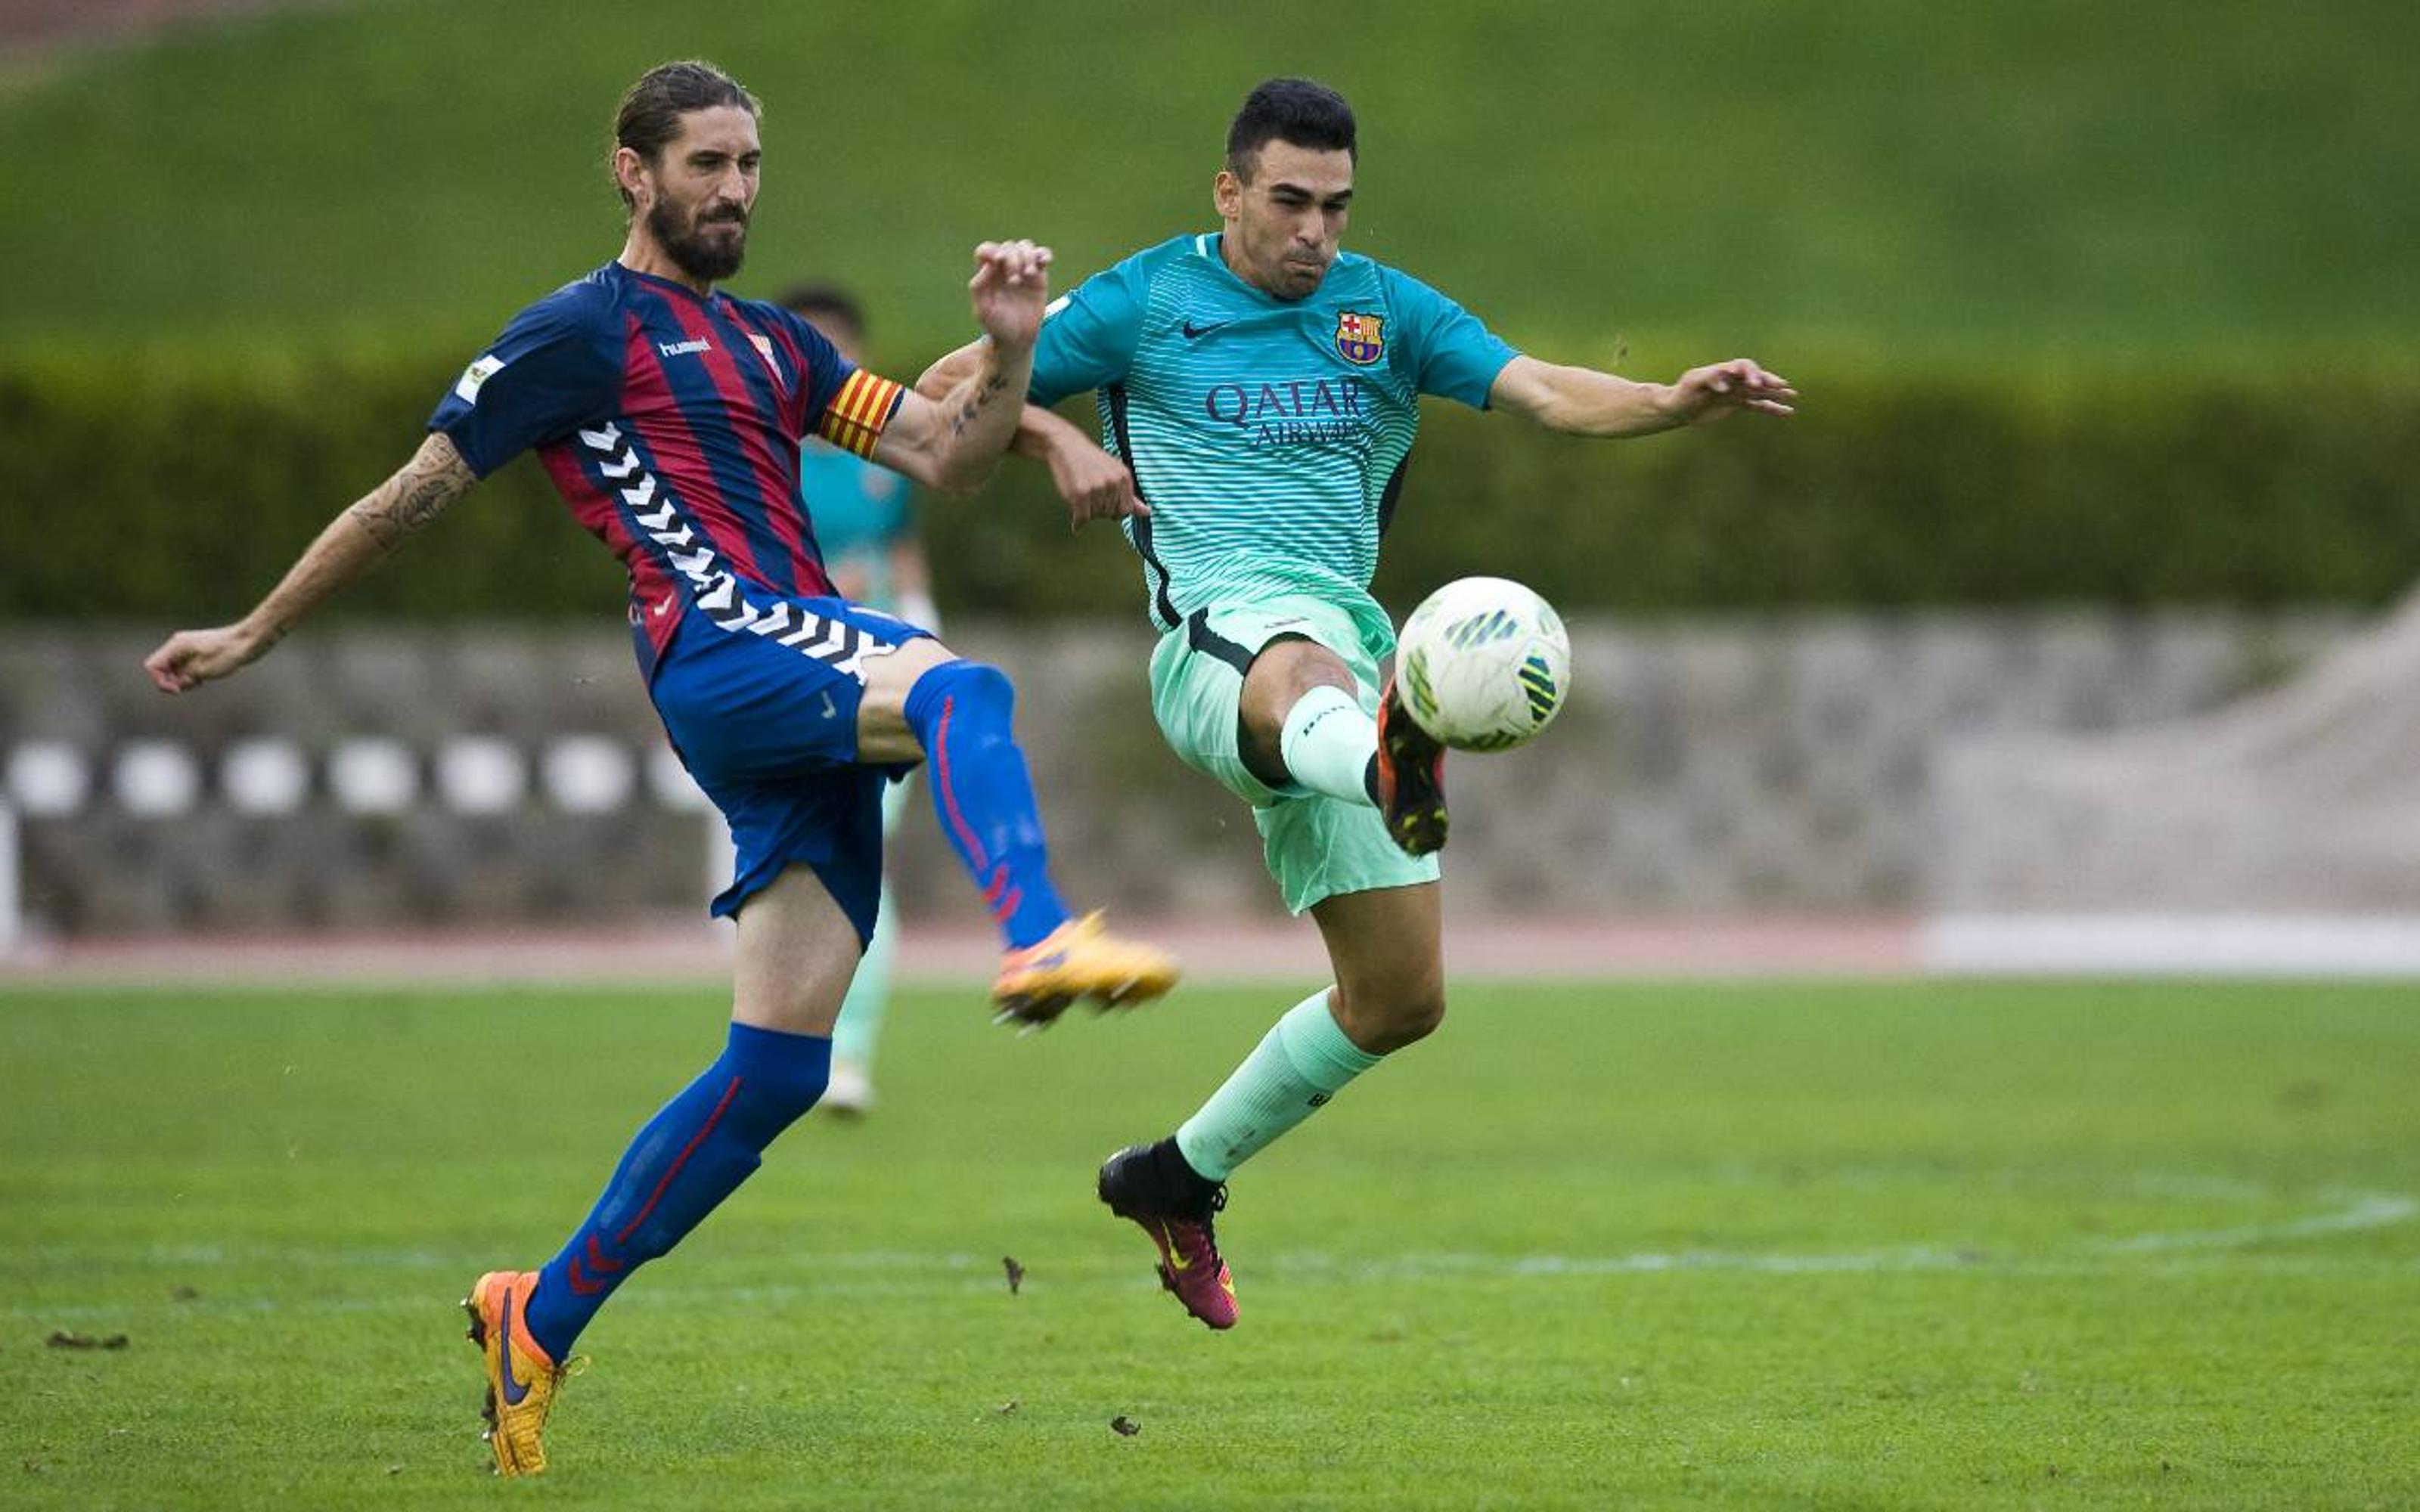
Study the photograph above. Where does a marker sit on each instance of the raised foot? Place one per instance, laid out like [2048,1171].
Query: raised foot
[1149,1186]
[1411,778]
[1080,961]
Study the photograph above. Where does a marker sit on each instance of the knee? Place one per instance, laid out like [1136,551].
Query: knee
[1382,1022]
[980,682]
[782,1094]
[968,683]
[977,696]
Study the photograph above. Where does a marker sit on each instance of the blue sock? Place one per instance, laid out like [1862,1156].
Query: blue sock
[680,1167]
[960,710]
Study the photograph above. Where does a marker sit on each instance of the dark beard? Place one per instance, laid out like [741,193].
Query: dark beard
[707,261]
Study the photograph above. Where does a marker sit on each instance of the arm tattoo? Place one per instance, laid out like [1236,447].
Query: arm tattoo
[404,503]
[985,391]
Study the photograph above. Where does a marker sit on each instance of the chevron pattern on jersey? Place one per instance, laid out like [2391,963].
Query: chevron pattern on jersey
[659,516]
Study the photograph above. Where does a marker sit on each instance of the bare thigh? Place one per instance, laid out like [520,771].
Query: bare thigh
[797,953]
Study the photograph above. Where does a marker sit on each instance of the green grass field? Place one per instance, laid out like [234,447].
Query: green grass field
[1641,1245]
[2056,180]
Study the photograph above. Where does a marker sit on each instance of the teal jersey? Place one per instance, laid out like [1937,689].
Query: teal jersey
[858,511]
[1269,435]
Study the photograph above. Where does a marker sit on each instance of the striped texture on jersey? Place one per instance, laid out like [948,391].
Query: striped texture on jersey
[855,419]
[1267,456]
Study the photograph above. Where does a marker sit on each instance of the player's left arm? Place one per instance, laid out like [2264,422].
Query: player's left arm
[952,443]
[1581,401]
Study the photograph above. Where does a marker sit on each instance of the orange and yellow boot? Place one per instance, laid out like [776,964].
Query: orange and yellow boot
[1079,959]
[521,1381]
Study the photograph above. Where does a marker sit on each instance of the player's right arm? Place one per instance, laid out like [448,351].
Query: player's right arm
[553,366]
[356,540]
[1095,485]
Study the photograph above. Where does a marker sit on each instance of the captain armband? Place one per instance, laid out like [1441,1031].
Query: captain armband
[855,419]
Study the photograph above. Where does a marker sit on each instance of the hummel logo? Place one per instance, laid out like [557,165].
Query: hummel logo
[684,348]
[1194,333]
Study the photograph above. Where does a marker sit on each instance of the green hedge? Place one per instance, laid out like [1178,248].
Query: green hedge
[176,490]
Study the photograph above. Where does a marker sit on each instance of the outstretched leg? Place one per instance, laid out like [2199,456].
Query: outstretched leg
[796,950]
[1390,991]
[954,714]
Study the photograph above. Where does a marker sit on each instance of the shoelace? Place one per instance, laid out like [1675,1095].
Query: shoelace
[556,1375]
[1209,1234]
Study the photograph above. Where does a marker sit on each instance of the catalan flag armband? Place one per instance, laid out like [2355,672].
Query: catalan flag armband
[856,417]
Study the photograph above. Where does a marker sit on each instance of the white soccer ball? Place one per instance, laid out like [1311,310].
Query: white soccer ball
[1483,664]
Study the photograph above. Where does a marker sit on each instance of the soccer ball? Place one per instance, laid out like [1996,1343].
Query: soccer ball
[1483,664]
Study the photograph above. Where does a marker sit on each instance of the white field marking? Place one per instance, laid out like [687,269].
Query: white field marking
[2362,1210]
[437,1300]
[907,1273]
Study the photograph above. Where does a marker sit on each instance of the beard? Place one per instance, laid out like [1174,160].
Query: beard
[692,252]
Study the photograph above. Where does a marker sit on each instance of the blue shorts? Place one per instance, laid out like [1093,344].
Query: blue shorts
[766,723]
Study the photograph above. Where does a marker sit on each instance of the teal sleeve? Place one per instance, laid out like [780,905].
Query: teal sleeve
[1448,351]
[1089,336]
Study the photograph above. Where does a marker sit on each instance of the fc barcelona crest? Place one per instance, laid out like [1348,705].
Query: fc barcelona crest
[1360,338]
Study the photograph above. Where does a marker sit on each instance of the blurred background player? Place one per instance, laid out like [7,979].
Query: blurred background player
[864,519]
[668,415]
[1260,390]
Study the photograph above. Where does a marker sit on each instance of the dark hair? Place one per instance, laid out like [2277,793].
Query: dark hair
[826,305]
[652,108]
[1295,111]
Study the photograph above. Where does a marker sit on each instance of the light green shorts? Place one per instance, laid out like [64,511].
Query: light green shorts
[1316,846]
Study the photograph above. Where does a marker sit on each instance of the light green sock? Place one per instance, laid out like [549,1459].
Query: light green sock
[1301,1063]
[869,991]
[1327,741]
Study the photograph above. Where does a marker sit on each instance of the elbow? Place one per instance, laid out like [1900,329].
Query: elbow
[947,372]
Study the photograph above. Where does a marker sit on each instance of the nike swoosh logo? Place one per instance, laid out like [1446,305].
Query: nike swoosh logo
[1176,1260]
[514,1390]
[664,607]
[1194,333]
[829,709]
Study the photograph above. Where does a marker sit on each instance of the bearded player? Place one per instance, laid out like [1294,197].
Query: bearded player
[1258,392]
[669,416]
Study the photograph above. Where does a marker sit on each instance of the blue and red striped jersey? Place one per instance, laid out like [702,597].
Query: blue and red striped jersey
[670,424]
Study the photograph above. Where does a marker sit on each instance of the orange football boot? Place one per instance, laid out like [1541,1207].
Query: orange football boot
[1079,959]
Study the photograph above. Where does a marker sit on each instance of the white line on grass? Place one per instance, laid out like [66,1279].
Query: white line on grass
[911,1272]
